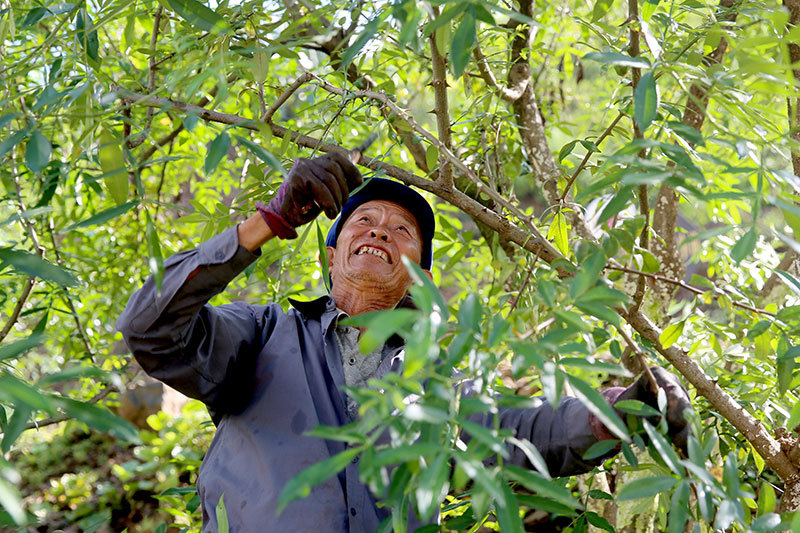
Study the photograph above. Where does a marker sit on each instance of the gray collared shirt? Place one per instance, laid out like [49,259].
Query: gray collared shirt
[268,376]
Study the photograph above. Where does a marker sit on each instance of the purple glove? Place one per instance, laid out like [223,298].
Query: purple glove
[311,186]
[677,402]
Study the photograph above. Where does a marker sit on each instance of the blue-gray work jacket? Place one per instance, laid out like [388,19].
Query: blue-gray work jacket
[267,376]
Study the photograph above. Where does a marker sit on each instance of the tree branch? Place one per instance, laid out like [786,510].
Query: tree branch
[750,427]
[14,316]
[515,87]
[441,109]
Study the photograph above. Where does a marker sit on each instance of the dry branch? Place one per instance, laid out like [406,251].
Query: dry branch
[441,109]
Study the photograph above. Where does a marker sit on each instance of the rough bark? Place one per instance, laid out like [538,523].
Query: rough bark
[665,210]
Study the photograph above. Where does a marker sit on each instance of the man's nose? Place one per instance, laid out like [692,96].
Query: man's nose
[379,233]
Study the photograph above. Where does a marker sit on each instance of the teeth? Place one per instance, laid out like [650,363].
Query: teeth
[373,251]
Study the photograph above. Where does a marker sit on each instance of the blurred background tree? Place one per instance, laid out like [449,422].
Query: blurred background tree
[615,184]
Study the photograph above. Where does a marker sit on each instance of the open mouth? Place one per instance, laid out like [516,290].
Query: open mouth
[373,251]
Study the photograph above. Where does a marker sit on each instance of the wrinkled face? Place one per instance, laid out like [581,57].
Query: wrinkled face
[372,241]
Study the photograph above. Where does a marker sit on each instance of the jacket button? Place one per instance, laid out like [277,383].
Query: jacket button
[353,511]
[355,459]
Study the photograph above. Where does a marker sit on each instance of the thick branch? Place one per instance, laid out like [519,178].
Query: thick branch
[515,87]
[441,109]
[665,210]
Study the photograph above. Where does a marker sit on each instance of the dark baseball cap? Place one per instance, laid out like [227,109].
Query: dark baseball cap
[400,194]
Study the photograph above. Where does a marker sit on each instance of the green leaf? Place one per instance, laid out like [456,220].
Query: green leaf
[663,448]
[727,513]
[11,142]
[536,483]
[103,216]
[199,16]
[16,392]
[11,501]
[600,448]
[432,486]
[559,233]
[380,325]
[33,265]
[87,35]
[112,162]
[679,508]
[588,274]
[766,499]
[599,522]
[216,151]
[323,259]
[463,40]
[598,406]
[645,101]
[617,59]
[744,246]
[601,7]
[37,152]
[671,334]
[432,157]
[767,522]
[352,51]
[785,367]
[156,258]
[635,407]
[16,425]
[789,280]
[300,485]
[646,487]
[263,154]
[222,515]
[507,511]
[17,348]
[98,418]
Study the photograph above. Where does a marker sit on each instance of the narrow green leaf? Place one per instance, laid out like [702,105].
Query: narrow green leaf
[559,233]
[598,406]
[33,265]
[432,157]
[767,522]
[216,151]
[601,7]
[588,274]
[790,281]
[617,59]
[300,486]
[679,508]
[98,418]
[112,162]
[156,258]
[37,152]
[646,487]
[263,154]
[532,454]
[17,348]
[463,41]
[645,101]
[11,501]
[635,407]
[507,511]
[744,246]
[599,522]
[352,51]
[16,425]
[663,448]
[17,393]
[599,449]
[671,334]
[103,216]
[766,499]
[222,515]
[199,16]
[87,35]
[11,142]
[533,481]
[323,259]
[432,486]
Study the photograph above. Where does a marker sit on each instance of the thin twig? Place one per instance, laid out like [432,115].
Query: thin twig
[642,358]
[524,285]
[14,316]
[589,153]
[63,418]
[691,288]
[290,90]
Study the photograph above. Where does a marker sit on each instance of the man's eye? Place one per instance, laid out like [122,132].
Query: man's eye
[402,228]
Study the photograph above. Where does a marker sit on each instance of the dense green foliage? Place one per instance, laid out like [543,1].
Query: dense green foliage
[107,169]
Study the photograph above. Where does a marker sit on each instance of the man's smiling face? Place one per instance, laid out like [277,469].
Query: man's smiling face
[368,251]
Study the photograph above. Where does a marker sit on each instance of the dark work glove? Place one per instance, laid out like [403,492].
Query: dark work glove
[311,186]
[677,402]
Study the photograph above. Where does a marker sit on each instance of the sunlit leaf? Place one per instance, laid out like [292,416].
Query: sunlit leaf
[216,151]
[199,15]
[37,152]
[645,101]
[646,487]
[463,41]
[33,265]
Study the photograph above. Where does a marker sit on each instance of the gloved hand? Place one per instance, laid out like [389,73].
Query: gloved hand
[677,402]
[311,186]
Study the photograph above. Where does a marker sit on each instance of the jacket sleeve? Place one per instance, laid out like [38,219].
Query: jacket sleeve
[206,352]
[561,435]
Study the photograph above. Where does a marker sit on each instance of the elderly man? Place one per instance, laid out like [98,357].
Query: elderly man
[269,375]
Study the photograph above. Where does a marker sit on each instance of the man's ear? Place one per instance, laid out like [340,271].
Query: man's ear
[331,253]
